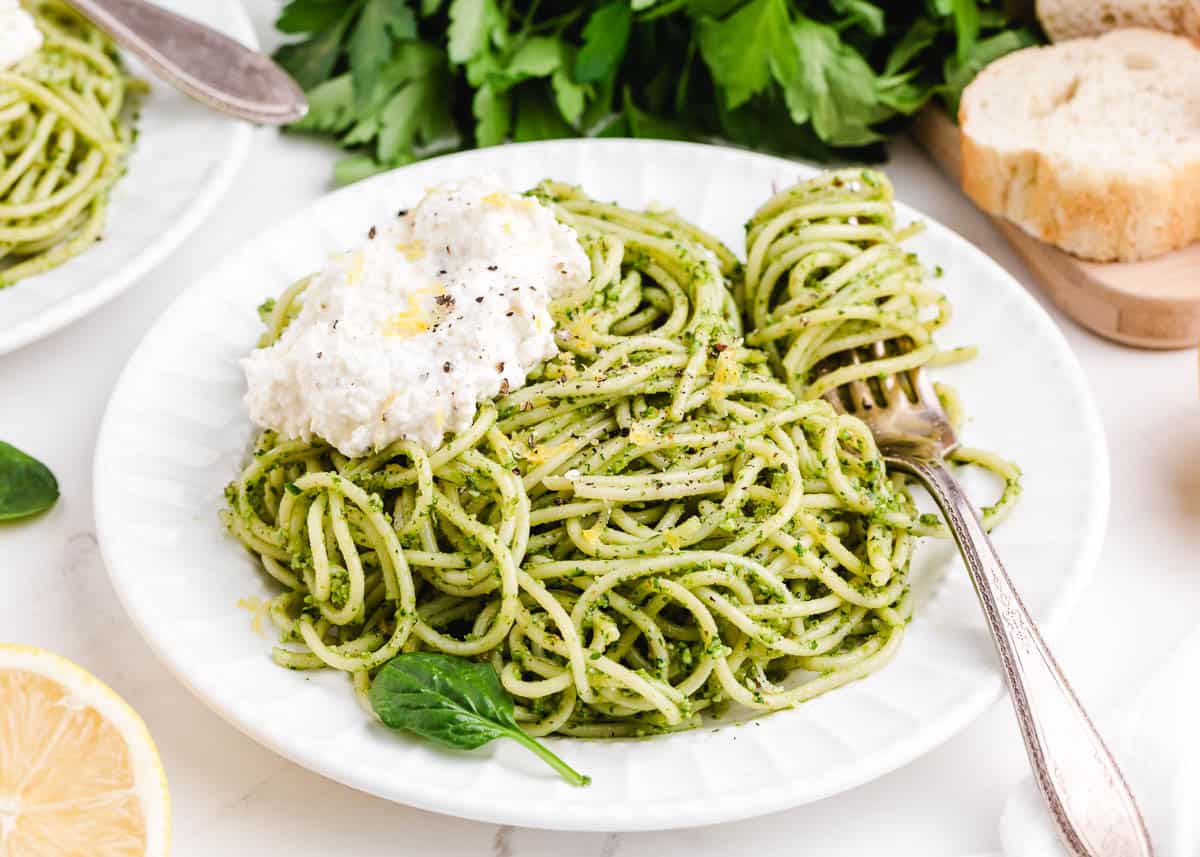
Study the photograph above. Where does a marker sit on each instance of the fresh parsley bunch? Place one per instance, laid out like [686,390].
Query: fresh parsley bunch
[398,80]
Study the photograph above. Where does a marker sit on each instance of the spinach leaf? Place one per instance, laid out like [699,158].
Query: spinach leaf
[26,485]
[454,701]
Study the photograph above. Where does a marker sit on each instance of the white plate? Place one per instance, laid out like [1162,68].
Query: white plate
[182,163]
[175,433]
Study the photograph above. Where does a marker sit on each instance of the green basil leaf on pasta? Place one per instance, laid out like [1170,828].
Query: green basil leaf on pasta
[454,701]
[27,486]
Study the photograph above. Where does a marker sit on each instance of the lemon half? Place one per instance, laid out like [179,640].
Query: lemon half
[79,773]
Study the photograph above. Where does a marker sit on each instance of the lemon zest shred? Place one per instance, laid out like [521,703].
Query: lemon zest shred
[640,435]
[412,250]
[257,608]
[538,454]
[354,273]
[726,374]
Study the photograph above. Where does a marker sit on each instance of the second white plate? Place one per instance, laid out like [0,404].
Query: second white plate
[176,432]
[182,163]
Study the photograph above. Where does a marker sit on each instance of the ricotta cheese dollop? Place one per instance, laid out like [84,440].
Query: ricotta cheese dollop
[19,35]
[444,307]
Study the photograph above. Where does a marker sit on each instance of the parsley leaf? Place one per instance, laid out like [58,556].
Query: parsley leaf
[861,13]
[371,44]
[739,49]
[493,116]
[310,62]
[961,72]
[604,41]
[568,95]
[537,57]
[827,82]
[537,117]
[303,16]
[472,23]
[645,124]
[330,107]
[393,81]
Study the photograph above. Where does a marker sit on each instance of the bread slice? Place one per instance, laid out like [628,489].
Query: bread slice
[1091,144]
[1070,19]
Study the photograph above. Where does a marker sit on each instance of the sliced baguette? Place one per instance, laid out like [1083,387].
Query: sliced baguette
[1092,144]
[1070,19]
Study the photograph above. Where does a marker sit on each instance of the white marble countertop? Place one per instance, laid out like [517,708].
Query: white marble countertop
[235,799]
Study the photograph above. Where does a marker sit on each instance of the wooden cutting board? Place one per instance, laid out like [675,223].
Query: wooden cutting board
[1150,304]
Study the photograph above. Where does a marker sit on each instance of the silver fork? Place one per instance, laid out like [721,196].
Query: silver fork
[202,63]
[1083,788]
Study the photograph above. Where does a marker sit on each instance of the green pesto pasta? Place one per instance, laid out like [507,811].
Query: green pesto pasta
[665,520]
[64,137]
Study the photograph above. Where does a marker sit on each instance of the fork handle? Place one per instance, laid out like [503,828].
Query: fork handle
[1087,796]
[202,63]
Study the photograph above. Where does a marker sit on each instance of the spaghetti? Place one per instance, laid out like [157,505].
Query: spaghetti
[656,525]
[826,273]
[63,142]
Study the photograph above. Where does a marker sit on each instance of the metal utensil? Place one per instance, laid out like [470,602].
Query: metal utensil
[202,63]
[1082,786]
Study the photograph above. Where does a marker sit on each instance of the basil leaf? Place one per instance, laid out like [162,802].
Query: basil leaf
[454,701]
[26,485]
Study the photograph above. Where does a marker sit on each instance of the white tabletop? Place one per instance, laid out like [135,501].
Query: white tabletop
[235,799]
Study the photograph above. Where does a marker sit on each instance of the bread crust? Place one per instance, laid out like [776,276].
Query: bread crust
[1095,212]
[1071,19]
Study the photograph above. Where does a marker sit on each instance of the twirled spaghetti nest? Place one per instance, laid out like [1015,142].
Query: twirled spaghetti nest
[657,523]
